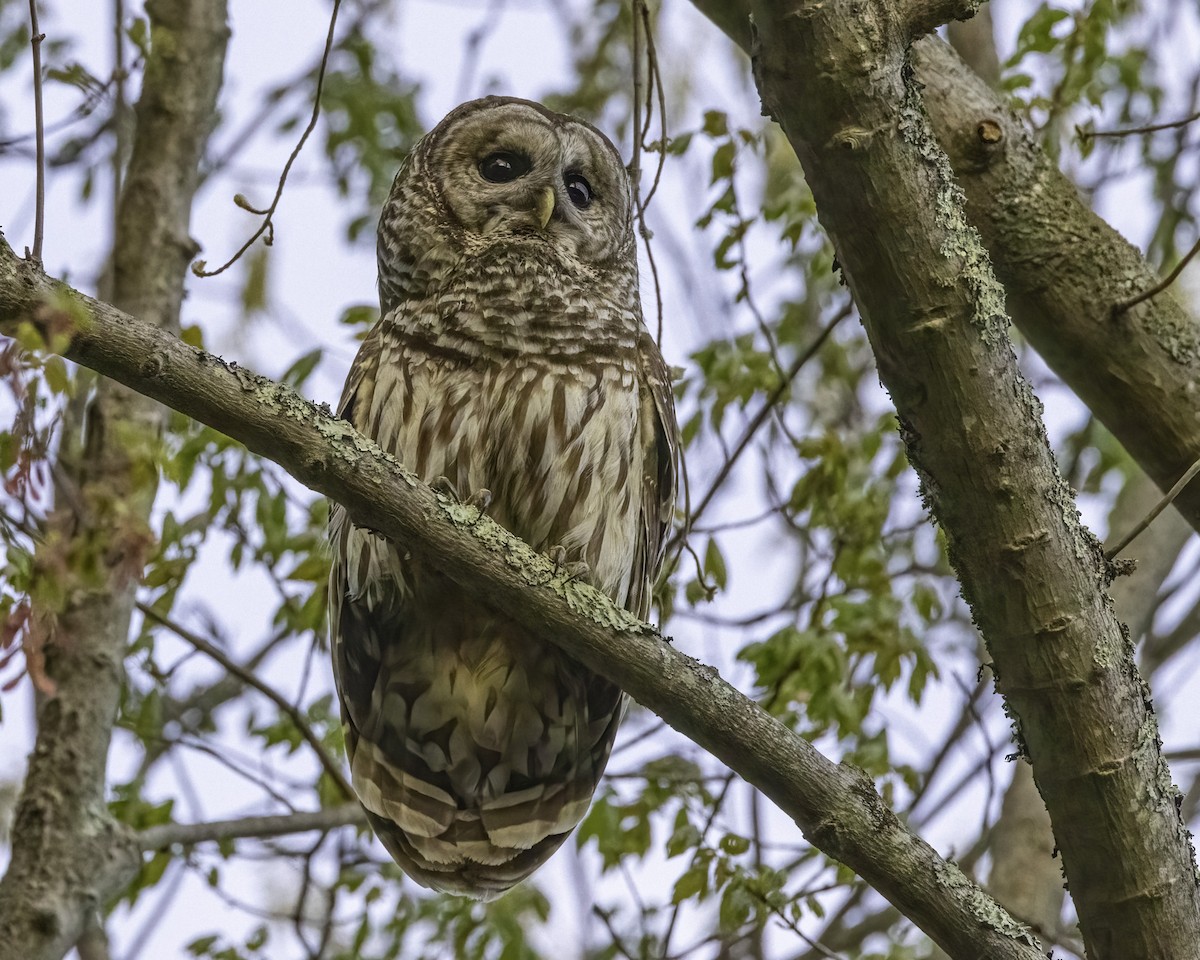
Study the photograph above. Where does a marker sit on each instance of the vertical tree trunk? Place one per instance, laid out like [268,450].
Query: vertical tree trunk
[837,78]
[66,849]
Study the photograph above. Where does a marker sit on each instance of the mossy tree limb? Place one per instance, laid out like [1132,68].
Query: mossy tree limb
[836,806]
[836,76]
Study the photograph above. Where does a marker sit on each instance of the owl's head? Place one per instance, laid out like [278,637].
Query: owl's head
[503,171]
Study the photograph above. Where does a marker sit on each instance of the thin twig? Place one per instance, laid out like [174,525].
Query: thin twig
[655,77]
[1158,288]
[39,220]
[259,828]
[216,653]
[1159,507]
[267,226]
[1133,131]
[635,161]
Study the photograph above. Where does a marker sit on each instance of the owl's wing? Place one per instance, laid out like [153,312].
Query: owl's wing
[660,475]
[360,381]
[353,634]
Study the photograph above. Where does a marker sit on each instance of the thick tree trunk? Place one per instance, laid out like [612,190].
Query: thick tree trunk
[836,76]
[1065,270]
[68,856]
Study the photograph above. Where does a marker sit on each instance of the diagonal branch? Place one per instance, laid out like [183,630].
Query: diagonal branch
[836,806]
[1065,270]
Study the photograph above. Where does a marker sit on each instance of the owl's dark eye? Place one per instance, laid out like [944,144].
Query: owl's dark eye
[504,167]
[579,190]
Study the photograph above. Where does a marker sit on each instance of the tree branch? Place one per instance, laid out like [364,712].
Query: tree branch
[327,761]
[1034,578]
[247,828]
[924,16]
[1064,269]
[837,807]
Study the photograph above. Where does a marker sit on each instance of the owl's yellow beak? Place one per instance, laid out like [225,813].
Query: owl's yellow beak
[545,206]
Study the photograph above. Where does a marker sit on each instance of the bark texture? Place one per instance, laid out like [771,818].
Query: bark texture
[1065,270]
[837,807]
[68,855]
[1063,267]
[1026,874]
[837,78]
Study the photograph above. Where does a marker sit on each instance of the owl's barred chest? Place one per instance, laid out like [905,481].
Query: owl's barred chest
[556,444]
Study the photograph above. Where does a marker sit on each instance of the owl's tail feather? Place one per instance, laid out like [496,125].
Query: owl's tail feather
[478,851]
[463,875]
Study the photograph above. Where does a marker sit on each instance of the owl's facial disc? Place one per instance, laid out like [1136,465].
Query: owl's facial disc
[511,173]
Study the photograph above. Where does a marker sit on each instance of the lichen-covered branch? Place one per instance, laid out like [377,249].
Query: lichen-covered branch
[1065,269]
[837,807]
[836,76]
[68,856]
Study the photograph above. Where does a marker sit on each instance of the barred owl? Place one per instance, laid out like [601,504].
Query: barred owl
[510,357]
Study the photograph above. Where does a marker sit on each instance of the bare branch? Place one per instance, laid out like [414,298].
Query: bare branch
[1134,131]
[1162,285]
[1158,508]
[39,221]
[925,16]
[251,828]
[268,224]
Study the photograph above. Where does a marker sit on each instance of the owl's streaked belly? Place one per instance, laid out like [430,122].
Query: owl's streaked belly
[484,743]
[557,447]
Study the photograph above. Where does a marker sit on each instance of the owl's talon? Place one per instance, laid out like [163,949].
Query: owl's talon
[571,569]
[443,486]
[480,500]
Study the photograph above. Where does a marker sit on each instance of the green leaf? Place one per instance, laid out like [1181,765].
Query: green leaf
[716,123]
[693,883]
[201,946]
[302,369]
[684,837]
[734,845]
[138,33]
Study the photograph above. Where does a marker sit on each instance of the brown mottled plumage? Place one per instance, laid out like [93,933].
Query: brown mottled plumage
[511,355]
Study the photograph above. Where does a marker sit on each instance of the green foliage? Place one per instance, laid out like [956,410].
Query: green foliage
[219,948]
[621,825]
